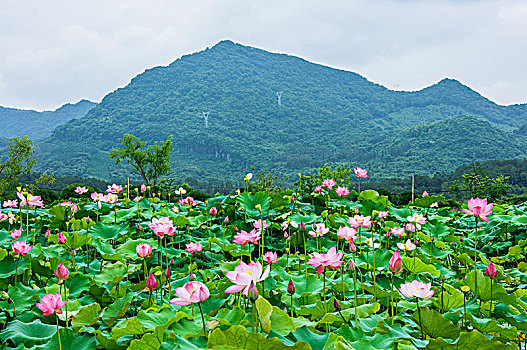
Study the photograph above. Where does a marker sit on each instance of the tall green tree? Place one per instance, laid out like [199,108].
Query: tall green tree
[150,162]
[20,160]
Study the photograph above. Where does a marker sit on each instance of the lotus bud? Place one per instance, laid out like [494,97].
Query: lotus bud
[61,238]
[48,233]
[353,248]
[171,261]
[88,219]
[226,221]
[351,266]
[213,211]
[61,273]
[167,272]
[151,282]
[396,263]
[291,287]
[302,226]
[336,304]
[253,292]
[491,270]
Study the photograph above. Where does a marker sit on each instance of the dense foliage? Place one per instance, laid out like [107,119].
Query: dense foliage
[325,116]
[279,270]
[19,160]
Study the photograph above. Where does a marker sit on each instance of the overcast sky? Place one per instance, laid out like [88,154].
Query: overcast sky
[53,52]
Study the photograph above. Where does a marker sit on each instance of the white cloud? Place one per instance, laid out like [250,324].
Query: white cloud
[61,51]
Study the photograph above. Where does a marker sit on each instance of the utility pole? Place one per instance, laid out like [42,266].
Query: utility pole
[206,117]
[279,95]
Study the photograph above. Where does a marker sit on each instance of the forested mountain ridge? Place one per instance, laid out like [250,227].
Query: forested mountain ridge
[221,106]
[39,125]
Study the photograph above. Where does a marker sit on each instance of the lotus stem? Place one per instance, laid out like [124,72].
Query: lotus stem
[203,320]
[419,316]
[58,333]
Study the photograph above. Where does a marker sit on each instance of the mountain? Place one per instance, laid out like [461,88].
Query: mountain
[324,115]
[39,125]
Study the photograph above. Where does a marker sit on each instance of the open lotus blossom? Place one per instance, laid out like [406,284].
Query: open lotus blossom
[260,225]
[244,237]
[329,259]
[417,289]
[3,217]
[347,233]
[243,274]
[249,176]
[342,191]
[328,183]
[114,188]
[318,189]
[16,233]
[32,201]
[383,214]
[362,173]
[151,282]
[51,303]
[180,191]
[80,190]
[410,227]
[191,293]
[434,205]
[10,204]
[288,223]
[143,250]
[270,258]
[398,231]
[162,226]
[98,198]
[417,219]
[353,223]
[112,198]
[319,229]
[491,270]
[425,193]
[187,201]
[408,245]
[479,208]
[21,247]
[396,263]
[363,221]
[62,273]
[193,247]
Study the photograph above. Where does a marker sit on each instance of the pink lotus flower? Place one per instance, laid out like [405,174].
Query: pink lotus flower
[48,233]
[243,237]
[12,217]
[61,273]
[61,239]
[23,200]
[383,214]
[51,303]
[143,250]
[3,217]
[143,187]
[425,193]
[213,211]
[244,274]
[342,191]
[364,221]
[114,188]
[249,176]
[32,201]
[353,223]
[151,282]
[408,245]
[20,247]
[187,201]
[226,221]
[410,227]
[491,270]
[479,208]
[10,204]
[434,205]
[260,225]
[80,190]
[112,198]
[288,223]
[330,259]
[417,219]
[16,233]
[270,258]
[98,198]
[191,293]
[194,247]
[347,233]
[396,263]
[319,230]
[398,231]
[66,204]
[328,183]
[361,173]
[318,189]
[417,289]
[162,226]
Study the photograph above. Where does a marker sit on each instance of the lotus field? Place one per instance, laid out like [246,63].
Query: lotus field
[329,270]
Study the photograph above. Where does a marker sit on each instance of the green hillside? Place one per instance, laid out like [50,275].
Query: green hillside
[39,125]
[325,115]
